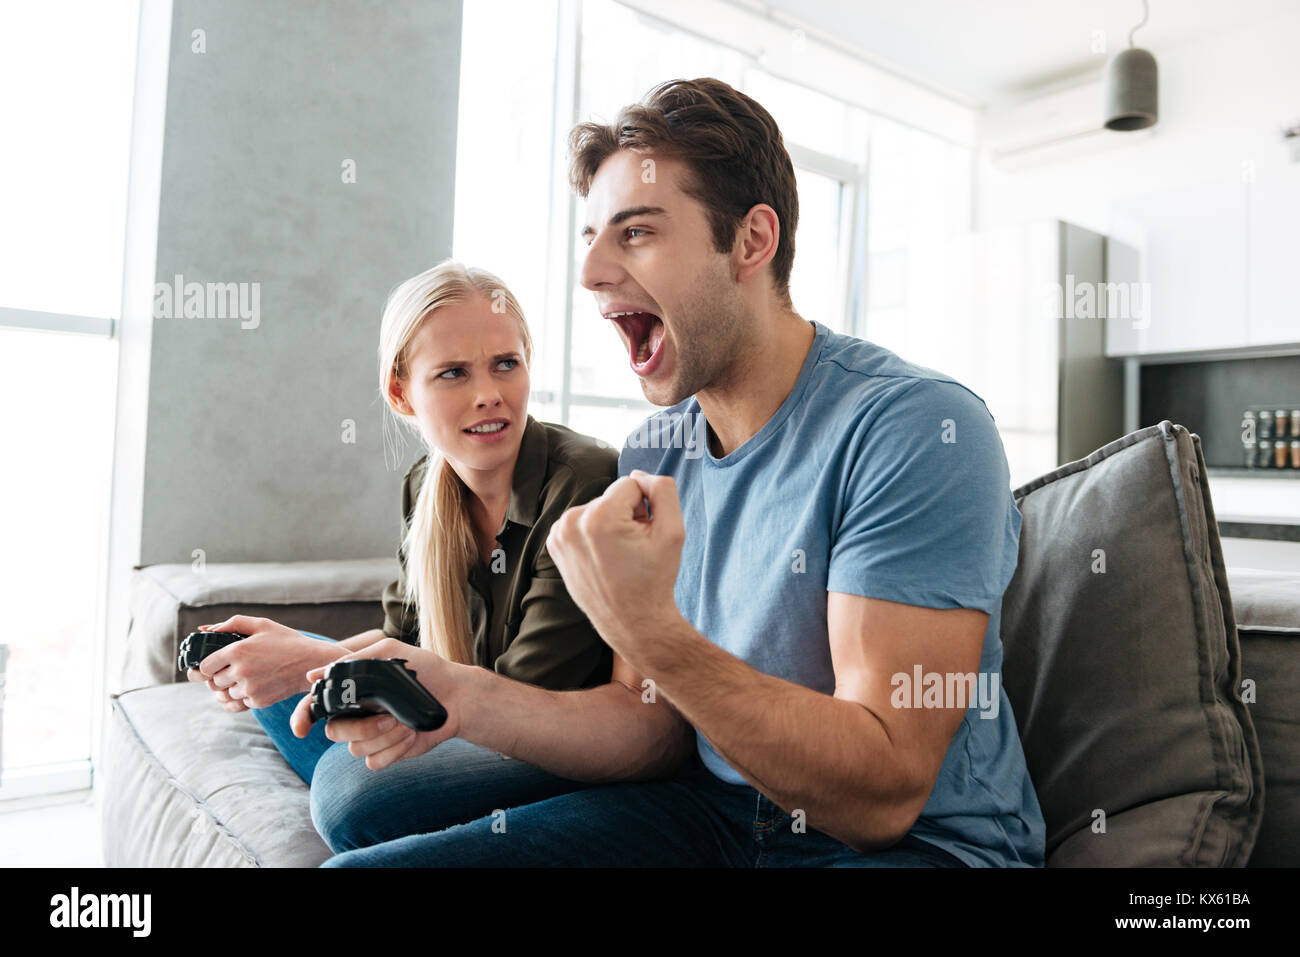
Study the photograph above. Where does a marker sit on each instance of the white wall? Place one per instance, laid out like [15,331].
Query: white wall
[1223,102]
[789,49]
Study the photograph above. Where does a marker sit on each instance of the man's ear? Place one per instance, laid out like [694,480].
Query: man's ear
[757,239]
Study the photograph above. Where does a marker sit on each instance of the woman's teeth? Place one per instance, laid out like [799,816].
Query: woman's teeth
[495,427]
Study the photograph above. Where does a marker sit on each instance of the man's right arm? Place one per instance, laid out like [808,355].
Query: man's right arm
[615,732]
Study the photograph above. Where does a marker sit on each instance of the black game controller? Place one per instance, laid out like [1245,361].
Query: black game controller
[371,686]
[199,644]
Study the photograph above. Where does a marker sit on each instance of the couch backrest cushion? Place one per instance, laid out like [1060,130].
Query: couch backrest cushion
[1122,663]
[334,598]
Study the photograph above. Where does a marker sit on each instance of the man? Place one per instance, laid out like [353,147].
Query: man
[799,569]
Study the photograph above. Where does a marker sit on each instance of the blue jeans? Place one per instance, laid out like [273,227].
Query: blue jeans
[692,820]
[353,806]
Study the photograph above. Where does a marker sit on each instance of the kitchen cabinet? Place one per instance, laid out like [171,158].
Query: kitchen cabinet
[1218,259]
[1194,264]
[1273,257]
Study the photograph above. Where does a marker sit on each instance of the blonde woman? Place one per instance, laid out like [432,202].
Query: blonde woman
[477,586]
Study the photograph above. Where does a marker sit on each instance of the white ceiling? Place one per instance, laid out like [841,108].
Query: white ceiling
[992,52]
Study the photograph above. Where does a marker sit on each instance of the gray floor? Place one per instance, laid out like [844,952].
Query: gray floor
[58,831]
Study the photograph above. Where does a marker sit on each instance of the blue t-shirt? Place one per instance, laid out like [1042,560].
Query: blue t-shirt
[875,477]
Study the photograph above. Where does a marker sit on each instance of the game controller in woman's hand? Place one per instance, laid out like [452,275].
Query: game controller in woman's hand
[199,644]
[365,686]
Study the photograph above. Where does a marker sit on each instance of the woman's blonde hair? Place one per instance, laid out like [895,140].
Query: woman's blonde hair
[440,545]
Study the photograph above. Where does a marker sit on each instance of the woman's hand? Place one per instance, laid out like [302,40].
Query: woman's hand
[267,666]
[380,738]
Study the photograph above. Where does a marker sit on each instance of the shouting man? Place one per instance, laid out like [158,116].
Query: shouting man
[799,569]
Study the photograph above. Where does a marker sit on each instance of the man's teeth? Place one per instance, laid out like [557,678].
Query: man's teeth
[643,350]
[648,345]
[494,427]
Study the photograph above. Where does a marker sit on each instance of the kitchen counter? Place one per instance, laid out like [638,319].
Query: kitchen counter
[1259,518]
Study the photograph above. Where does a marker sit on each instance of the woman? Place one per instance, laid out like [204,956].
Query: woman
[476,584]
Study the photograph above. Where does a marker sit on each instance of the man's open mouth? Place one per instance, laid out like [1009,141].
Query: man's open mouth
[644,331]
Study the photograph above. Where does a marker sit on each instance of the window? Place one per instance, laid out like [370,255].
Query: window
[504,175]
[63,179]
[919,213]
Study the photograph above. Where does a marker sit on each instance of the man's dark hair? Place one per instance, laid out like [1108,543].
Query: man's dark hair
[730,144]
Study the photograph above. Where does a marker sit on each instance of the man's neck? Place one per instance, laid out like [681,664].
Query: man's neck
[760,381]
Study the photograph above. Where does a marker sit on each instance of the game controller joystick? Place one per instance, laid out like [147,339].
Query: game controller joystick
[199,644]
[369,686]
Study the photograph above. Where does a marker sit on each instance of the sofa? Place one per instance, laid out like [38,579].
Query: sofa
[1156,691]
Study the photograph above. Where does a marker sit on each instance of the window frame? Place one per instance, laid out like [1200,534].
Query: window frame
[35,320]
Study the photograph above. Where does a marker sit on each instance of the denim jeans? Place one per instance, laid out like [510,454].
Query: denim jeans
[353,806]
[692,820]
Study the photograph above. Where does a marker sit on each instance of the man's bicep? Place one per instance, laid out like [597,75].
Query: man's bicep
[873,640]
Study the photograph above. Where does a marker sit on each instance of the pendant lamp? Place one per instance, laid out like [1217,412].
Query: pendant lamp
[1131,89]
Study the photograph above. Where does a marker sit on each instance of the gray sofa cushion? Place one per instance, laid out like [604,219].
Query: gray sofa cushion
[1122,662]
[167,602]
[192,785]
[1267,607]
[1266,601]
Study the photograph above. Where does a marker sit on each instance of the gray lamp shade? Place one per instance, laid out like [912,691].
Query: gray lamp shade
[1131,90]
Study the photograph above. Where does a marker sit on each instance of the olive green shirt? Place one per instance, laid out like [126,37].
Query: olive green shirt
[524,623]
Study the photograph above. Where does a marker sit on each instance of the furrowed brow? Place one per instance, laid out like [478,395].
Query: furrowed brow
[449,363]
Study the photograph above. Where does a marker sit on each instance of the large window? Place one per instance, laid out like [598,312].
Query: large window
[67,68]
[515,214]
[504,169]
